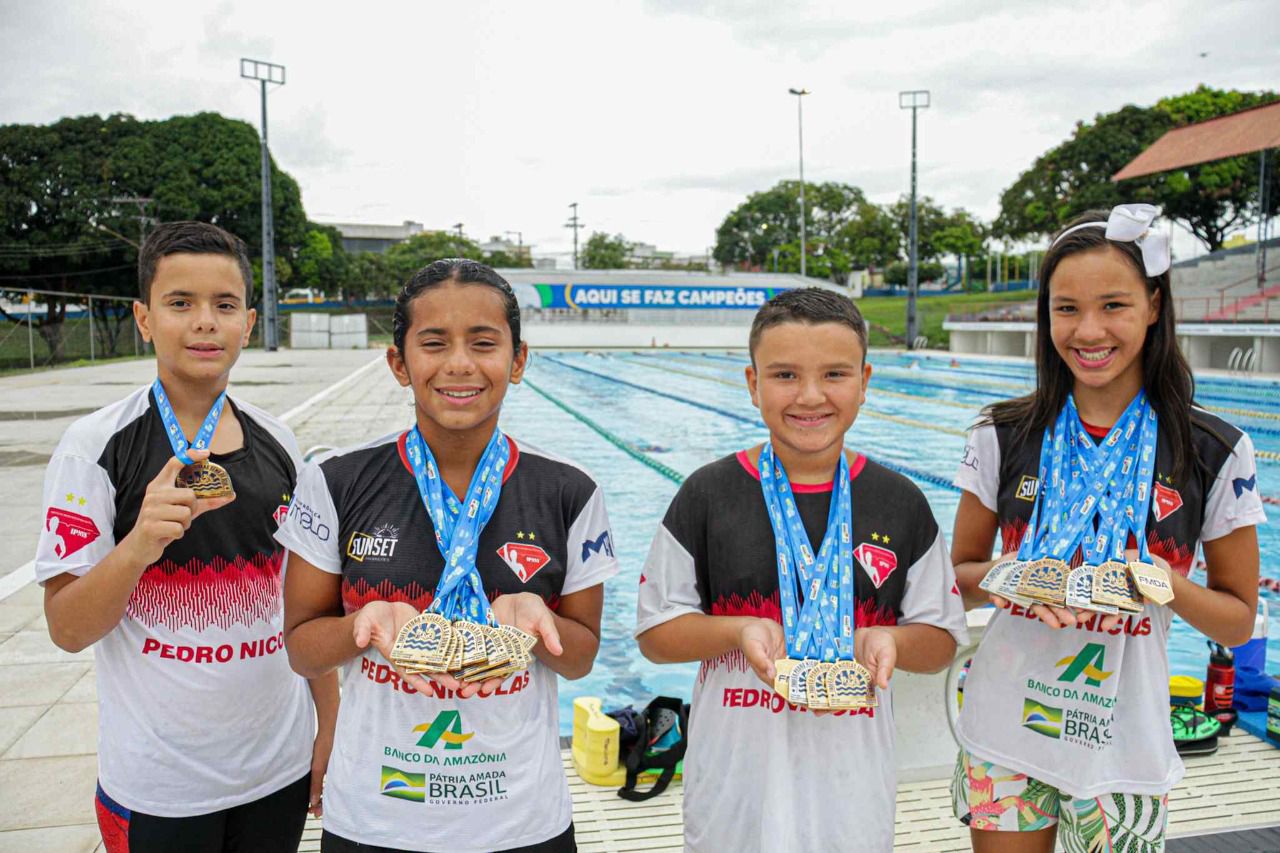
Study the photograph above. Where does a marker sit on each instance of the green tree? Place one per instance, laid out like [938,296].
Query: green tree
[896,273]
[369,275]
[604,252]
[508,260]
[63,231]
[1211,199]
[421,249]
[870,238]
[770,220]
[962,236]
[930,220]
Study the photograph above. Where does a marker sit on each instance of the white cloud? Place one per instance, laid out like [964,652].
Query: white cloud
[658,116]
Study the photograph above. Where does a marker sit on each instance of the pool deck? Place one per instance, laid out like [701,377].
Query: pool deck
[48,698]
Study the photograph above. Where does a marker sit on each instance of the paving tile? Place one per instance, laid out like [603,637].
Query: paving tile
[31,595]
[63,730]
[33,647]
[84,690]
[54,839]
[40,683]
[16,617]
[14,723]
[43,792]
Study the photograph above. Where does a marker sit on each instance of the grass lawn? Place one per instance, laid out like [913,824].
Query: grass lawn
[890,313]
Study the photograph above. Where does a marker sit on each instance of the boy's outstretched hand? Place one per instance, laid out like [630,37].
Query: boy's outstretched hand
[877,650]
[378,624]
[763,642]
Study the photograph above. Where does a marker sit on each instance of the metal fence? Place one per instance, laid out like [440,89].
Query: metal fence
[43,328]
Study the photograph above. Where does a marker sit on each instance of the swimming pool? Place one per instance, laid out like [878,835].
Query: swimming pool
[639,421]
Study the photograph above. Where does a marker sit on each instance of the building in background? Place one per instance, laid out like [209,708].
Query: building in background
[359,237]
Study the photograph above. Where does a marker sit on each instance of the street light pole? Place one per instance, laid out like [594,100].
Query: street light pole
[264,73]
[914,100]
[575,224]
[800,93]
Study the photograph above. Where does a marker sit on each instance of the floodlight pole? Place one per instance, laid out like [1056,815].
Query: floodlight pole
[1263,203]
[800,93]
[913,100]
[264,73]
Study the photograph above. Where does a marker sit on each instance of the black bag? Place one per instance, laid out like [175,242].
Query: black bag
[654,745]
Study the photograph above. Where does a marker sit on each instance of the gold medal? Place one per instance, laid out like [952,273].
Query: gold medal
[1045,581]
[849,685]
[1152,582]
[995,576]
[816,687]
[423,642]
[473,648]
[799,686]
[207,479]
[1112,585]
[782,670]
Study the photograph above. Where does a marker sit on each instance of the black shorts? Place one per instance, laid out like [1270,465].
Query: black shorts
[272,824]
[562,843]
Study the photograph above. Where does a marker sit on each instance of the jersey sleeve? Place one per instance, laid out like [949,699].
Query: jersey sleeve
[591,558]
[669,579]
[310,529]
[932,596]
[979,470]
[78,517]
[1233,500]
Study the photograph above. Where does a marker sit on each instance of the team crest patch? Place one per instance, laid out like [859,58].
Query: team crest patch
[879,562]
[71,531]
[524,559]
[1165,501]
[1028,488]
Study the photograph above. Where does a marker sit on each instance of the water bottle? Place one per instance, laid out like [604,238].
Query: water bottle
[1220,682]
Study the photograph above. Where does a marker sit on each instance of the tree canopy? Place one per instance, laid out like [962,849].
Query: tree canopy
[604,252]
[1210,199]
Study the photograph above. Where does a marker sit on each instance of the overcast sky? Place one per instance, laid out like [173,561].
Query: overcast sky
[657,116]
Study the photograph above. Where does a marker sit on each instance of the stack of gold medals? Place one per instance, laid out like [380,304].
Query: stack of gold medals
[429,644]
[1108,588]
[1093,497]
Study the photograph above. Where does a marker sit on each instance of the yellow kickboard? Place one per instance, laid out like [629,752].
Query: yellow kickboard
[595,745]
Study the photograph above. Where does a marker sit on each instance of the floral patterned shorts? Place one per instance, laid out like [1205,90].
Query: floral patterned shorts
[989,797]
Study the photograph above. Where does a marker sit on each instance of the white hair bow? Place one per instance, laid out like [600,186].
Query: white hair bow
[1131,223]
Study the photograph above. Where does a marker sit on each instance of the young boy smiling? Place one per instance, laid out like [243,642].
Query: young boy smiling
[763,773]
[205,735]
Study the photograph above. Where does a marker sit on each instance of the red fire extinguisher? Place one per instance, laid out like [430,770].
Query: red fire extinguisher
[1220,682]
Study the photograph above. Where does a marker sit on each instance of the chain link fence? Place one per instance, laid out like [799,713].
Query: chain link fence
[44,328]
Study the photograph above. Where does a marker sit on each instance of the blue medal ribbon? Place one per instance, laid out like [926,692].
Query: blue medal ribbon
[1093,495]
[816,593]
[460,592]
[177,440]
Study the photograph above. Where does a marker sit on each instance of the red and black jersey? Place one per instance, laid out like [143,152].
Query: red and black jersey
[198,708]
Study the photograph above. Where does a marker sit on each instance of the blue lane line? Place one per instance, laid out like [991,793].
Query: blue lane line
[925,476]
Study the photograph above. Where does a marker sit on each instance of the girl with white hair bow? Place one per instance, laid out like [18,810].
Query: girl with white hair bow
[1106,469]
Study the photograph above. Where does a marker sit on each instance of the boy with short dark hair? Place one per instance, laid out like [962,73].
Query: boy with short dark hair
[763,772]
[158,551]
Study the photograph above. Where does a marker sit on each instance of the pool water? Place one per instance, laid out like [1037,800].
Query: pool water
[639,421]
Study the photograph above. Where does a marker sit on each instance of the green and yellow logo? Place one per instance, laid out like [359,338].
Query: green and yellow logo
[404,785]
[1089,663]
[447,727]
[1042,719]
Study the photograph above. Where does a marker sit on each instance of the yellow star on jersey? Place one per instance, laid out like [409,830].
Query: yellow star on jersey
[519,534]
[532,536]
[70,497]
[875,537]
[886,538]
[82,502]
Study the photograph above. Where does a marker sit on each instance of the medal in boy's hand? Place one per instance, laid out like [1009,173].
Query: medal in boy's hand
[207,479]
[1045,581]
